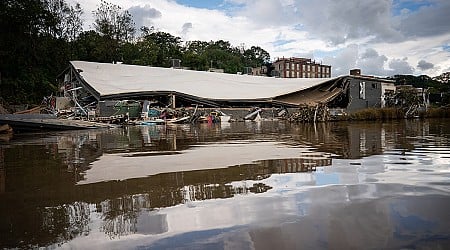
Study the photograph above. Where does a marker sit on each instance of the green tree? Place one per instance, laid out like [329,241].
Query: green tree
[158,48]
[89,46]
[33,48]
[194,55]
[256,57]
[223,56]
[116,27]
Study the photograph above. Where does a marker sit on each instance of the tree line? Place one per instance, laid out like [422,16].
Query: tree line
[40,37]
[438,92]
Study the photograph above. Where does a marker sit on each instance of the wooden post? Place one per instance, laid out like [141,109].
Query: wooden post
[173,101]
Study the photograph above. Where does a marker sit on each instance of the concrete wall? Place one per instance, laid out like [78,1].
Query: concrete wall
[364,93]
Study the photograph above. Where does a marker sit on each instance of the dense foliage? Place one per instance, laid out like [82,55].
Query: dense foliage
[422,81]
[34,46]
[439,92]
[39,38]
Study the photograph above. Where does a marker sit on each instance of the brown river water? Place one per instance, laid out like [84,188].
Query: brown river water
[252,185]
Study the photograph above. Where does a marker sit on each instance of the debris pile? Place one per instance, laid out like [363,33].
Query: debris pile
[318,113]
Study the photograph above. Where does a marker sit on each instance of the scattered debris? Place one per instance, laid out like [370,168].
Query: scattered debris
[42,122]
[254,113]
[5,129]
[3,110]
[318,113]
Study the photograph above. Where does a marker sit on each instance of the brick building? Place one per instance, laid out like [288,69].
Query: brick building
[295,67]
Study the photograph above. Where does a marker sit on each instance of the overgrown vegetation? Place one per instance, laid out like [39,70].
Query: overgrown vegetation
[377,114]
[440,112]
[385,114]
[439,92]
[39,38]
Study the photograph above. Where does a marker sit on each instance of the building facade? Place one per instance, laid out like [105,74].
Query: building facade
[367,91]
[296,67]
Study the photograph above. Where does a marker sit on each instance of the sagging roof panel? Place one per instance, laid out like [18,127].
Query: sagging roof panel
[117,79]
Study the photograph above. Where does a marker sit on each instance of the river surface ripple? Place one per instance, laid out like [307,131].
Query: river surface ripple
[252,185]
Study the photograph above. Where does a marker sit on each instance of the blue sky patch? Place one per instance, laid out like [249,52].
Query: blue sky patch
[220,5]
[326,179]
[210,4]
[411,5]
[282,42]
[323,54]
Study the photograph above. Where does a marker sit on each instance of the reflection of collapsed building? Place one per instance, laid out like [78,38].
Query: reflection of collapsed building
[2,171]
[104,86]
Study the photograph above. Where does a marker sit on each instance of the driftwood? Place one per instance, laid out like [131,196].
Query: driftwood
[35,110]
[318,113]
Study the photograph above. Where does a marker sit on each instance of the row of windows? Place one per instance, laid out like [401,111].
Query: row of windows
[306,75]
[307,67]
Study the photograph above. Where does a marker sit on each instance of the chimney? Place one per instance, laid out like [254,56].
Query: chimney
[355,72]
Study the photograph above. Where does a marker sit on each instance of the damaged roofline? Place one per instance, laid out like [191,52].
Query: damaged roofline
[84,84]
[323,92]
[216,103]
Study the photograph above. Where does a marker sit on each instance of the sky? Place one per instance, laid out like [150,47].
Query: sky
[381,37]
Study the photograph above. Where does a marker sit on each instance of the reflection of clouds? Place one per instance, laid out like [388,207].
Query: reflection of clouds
[129,215]
[274,193]
[308,219]
[151,223]
[243,210]
[210,156]
[341,215]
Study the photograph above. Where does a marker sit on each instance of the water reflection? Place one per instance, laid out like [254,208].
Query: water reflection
[164,181]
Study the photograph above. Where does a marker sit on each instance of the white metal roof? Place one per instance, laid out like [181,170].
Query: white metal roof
[116,79]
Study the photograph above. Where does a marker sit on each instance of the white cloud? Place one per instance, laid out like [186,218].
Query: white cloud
[424,65]
[430,20]
[400,66]
[370,61]
[345,34]
[144,15]
[344,60]
[340,21]
[185,28]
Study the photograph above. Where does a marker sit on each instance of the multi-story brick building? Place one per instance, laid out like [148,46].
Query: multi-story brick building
[295,67]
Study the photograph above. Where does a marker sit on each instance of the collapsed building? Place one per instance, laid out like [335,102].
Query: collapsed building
[94,89]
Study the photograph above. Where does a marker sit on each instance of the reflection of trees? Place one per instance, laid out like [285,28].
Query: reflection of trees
[120,215]
[30,225]
[47,184]
[74,218]
[41,205]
